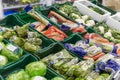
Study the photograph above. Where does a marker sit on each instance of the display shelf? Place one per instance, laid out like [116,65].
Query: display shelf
[20,6]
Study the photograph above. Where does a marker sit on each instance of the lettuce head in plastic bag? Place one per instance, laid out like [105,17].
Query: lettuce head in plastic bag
[37,68]
[20,75]
[12,52]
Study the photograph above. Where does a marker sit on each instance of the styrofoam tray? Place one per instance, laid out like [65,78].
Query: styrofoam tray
[114,21]
[82,6]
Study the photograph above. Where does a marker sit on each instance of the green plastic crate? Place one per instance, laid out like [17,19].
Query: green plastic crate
[56,9]
[10,23]
[54,49]
[89,30]
[25,18]
[10,63]
[45,13]
[73,39]
[21,65]
[1,78]
[106,8]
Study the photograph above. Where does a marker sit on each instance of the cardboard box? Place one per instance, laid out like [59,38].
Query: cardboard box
[113,4]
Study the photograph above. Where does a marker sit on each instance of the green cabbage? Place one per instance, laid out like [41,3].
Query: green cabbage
[20,75]
[8,34]
[30,47]
[17,40]
[12,52]
[36,69]
[35,41]
[3,60]
[38,78]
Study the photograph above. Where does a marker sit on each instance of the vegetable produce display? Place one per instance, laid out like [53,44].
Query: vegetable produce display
[33,71]
[51,31]
[70,67]
[93,47]
[21,36]
[86,50]
[65,23]
[91,51]
[74,27]
[73,13]
[107,32]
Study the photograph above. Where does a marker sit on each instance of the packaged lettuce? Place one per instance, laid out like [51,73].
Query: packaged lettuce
[3,60]
[95,75]
[105,58]
[47,59]
[85,68]
[93,50]
[37,68]
[12,52]
[92,76]
[66,66]
[61,62]
[71,70]
[20,75]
